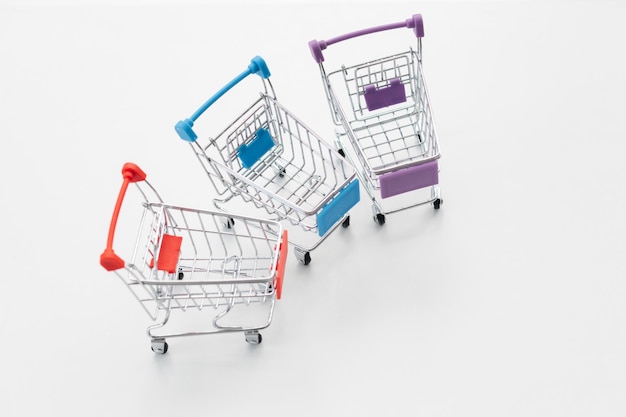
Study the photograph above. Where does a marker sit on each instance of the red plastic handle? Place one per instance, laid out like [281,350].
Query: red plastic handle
[131,173]
[280,267]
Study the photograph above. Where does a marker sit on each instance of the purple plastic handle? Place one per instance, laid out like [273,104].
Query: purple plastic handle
[415,22]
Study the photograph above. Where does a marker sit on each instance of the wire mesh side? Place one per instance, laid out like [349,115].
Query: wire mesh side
[217,266]
[378,74]
[293,180]
[394,137]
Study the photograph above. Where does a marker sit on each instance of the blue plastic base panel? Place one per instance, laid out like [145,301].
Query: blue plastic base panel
[336,208]
[250,153]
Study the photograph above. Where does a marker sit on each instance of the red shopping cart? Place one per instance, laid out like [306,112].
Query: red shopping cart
[183,260]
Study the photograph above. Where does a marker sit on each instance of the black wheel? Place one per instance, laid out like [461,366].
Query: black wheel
[254,337]
[346,222]
[282,172]
[342,153]
[230,223]
[181,275]
[307,259]
[380,218]
[165,346]
[437,203]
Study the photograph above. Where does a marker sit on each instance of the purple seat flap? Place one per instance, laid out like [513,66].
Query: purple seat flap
[377,98]
[409,179]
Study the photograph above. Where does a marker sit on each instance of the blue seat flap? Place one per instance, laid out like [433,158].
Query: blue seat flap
[251,152]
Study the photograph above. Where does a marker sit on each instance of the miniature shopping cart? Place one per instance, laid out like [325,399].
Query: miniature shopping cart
[269,159]
[183,260]
[384,121]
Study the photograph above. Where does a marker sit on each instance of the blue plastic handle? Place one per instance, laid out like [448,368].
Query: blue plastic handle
[184,128]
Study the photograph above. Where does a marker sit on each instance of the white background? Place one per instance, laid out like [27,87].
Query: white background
[509,301]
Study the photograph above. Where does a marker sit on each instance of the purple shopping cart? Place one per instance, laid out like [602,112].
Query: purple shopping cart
[384,121]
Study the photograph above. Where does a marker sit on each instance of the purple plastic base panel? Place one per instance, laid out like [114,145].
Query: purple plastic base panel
[409,179]
[377,98]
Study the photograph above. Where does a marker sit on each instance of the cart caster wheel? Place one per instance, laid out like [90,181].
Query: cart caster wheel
[280,170]
[379,218]
[159,346]
[437,203]
[341,152]
[230,223]
[254,337]
[303,257]
[181,275]
[346,222]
